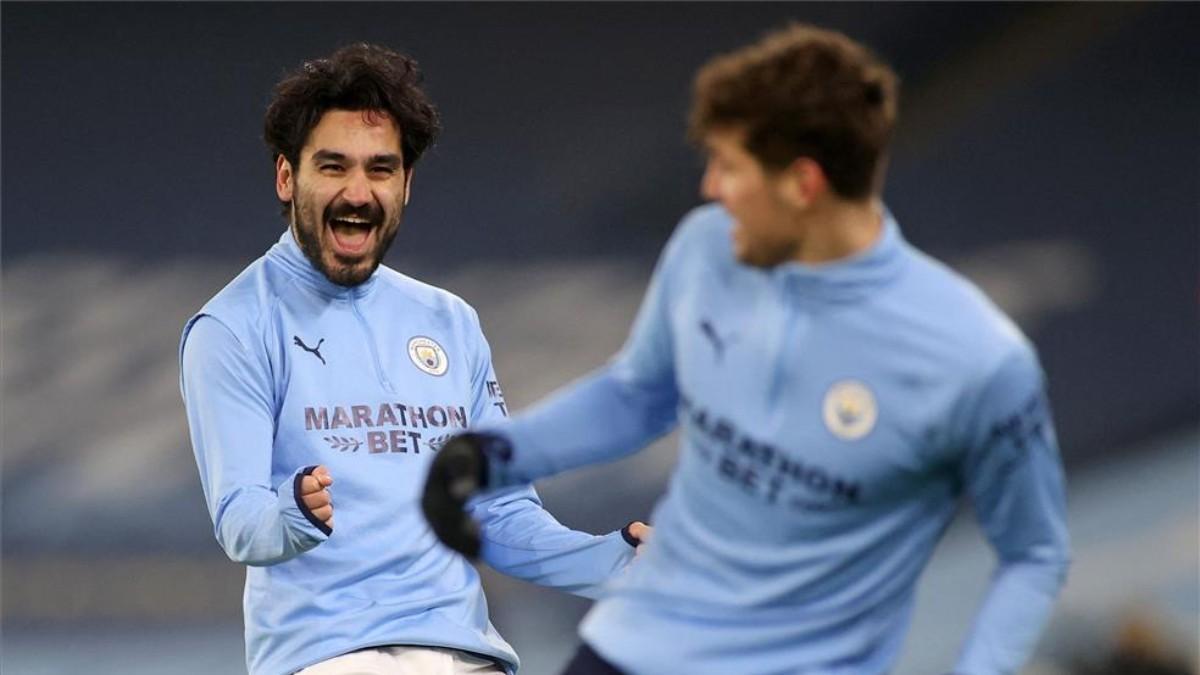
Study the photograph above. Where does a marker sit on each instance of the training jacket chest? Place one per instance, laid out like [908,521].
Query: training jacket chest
[809,405]
[366,381]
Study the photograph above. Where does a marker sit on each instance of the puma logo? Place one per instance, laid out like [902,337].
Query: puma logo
[316,351]
[706,328]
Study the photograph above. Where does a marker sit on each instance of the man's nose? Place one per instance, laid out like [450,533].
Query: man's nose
[358,190]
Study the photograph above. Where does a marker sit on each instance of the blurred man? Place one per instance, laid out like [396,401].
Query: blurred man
[318,371]
[837,391]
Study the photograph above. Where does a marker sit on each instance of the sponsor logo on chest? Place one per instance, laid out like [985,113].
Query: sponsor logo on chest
[386,427]
[765,471]
[849,410]
[428,355]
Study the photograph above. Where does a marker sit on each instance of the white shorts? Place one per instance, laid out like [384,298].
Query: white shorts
[402,660]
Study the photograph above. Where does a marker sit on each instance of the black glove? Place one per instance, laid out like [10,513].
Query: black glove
[459,471]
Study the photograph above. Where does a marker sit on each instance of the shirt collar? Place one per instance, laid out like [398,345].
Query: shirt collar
[848,278]
[286,252]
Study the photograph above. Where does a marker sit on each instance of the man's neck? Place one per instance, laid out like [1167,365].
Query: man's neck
[839,229]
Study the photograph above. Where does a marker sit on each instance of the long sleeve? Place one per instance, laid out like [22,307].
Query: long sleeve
[227,392]
[1014,477]
[520,538]
[612,412]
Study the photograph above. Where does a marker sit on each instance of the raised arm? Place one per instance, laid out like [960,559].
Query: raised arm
[607,415]
[518,536]
[228,395]
[521,539]
[612,412]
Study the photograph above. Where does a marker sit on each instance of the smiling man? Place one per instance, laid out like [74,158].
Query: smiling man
[345,225]
[837,393]
[318,364]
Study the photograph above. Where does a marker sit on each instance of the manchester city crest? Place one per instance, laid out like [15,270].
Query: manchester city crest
[428,355]
[849,410]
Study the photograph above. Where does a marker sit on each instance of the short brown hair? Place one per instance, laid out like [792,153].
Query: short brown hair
[803,92]
[356,77]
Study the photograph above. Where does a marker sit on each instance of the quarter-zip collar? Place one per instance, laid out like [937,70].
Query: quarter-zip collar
[849,278]
[286,252]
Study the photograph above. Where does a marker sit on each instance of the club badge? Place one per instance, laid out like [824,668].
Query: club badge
[849,410]
[428,355]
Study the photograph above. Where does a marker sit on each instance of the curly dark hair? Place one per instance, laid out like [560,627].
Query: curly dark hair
[356,77]
[803,92]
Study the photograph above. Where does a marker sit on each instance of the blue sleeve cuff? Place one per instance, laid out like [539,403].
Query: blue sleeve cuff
[628,536]
[299,518]
[616,548]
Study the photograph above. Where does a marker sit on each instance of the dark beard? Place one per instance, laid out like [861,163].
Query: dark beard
[347,274]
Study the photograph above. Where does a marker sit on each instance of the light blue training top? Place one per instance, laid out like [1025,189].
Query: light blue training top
[831,418]
[284,370]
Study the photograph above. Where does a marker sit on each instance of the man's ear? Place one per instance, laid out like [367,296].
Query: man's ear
[408,184]
[802,182]
[285,179]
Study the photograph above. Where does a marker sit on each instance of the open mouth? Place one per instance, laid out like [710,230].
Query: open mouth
[350,235]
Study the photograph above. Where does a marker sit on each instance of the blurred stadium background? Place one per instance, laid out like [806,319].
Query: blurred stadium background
[1051,152]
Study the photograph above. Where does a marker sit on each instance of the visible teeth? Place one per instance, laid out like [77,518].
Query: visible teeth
[353,221]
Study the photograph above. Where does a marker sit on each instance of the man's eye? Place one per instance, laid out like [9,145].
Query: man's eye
[331,167]
[383,170]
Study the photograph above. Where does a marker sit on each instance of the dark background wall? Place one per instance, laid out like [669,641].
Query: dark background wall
[134,130]
[563,121]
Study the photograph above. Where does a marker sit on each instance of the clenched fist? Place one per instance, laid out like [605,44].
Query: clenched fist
[640,534]
[314,494]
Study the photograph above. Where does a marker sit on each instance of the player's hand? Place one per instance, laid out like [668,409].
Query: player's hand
[641,533]
[459,471]
[314,494]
